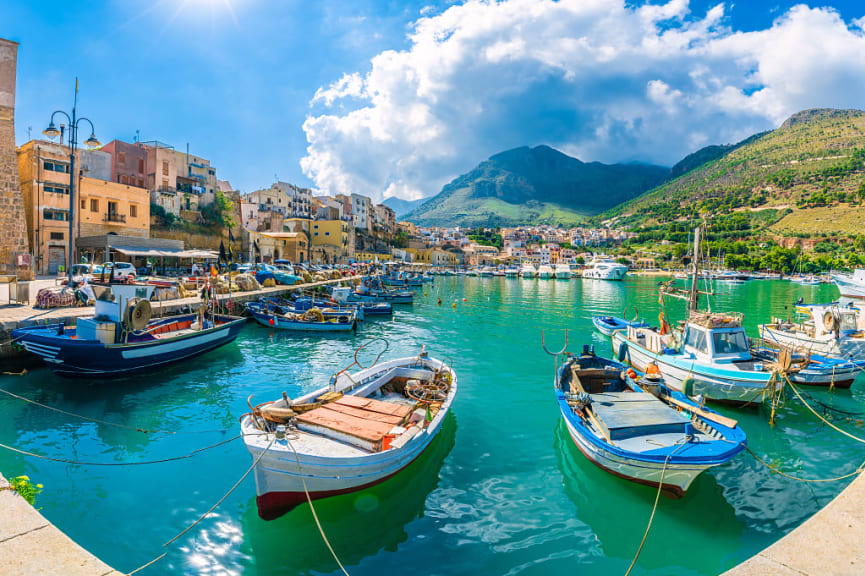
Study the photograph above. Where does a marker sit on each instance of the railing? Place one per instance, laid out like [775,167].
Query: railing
[170,190]
[114,217]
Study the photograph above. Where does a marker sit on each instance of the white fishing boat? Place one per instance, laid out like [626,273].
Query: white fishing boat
[851,285]
[604,269]
[830,330]
[546,271]
[563,271]
[358,431]
[528,270]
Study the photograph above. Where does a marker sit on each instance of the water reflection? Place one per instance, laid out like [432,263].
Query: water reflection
[358,525]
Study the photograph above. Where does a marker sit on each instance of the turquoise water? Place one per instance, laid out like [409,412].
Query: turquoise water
[501,491]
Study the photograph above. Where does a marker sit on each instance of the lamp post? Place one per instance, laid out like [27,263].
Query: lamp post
[52,132]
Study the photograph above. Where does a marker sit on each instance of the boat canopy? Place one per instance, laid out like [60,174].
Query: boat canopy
[138,251]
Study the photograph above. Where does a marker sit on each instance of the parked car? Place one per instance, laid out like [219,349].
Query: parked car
[119,270]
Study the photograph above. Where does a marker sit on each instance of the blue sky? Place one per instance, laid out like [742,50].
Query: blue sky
[251,84]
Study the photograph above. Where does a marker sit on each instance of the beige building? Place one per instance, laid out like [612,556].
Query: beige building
[102,206]
[162,177]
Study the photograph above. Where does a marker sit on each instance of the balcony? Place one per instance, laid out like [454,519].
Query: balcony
[114,217]
[167,190]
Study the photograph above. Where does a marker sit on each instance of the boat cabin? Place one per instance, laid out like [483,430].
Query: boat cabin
[821,320]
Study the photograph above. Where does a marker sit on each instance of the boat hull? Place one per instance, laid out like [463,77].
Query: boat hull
[282,323]
[91,358]
[677,477]
[848,286]
[831,348]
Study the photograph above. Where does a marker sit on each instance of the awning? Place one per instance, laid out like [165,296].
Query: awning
[153,252]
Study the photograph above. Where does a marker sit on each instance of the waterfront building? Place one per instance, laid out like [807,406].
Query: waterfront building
[331,241]
[385,219]
[128,162]
[196,180]
[161,179]
[361,207]
[102,206]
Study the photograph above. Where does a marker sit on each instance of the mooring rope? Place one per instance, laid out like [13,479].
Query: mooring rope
[810,480]
[107,423]
[139,463]
[654,509]
[312,509]
[825,421]
[209,510]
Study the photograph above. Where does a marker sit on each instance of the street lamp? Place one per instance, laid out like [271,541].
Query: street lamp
[91,142]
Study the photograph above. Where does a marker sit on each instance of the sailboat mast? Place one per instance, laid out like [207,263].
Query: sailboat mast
[692,301]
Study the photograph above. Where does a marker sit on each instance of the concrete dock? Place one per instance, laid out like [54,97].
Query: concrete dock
[31,546]
[827,544]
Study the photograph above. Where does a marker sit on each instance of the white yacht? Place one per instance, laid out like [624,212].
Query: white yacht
[546,271]
[601,269]
[512,272]
[527,270]
[563,271]
[851,286]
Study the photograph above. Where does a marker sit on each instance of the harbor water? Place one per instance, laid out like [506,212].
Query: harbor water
[502,491]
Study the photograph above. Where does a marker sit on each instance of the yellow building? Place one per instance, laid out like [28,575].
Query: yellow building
[102,206]
[290,246]
[372,257]
[331,241]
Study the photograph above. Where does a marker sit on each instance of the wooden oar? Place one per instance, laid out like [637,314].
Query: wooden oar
[722,420]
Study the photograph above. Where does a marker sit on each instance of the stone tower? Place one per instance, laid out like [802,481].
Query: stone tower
[13,226]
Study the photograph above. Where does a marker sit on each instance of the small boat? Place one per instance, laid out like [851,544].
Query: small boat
[357,431]
[546,271]
[563,271]
[635,427]
[852,286]
[499,272]
[811,369]
[606,325]
[527,270]
[122,338]
[829,330]
[330,310]
[512,272]
[313,320]
[364,308]
[604,269]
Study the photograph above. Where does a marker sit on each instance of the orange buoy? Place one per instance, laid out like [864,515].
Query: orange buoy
[465,299]
[631,373]
[455,305]
[653,370]
[440,301]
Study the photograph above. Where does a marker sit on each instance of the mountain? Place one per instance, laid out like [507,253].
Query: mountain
[804,176]
[533,185]
[402,207]
[707,154]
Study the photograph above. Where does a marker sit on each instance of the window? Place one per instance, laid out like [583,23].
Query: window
[56,188]
[327,233]
[141,182]
[730,342]
[94,205]
[124,179]
[165,167]
[165,184]
[112,207]
[54,166]
[141,165]
[59,215]
[696,339]
[121,158]
[83,204]
[133,211]
[57,235]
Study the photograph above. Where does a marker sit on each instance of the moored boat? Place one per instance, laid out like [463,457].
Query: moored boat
[851,285]
[312,320]
[604,269]
[649,437]
[829,330]
[606,325]
[358,431]
[546,271]
[122,338]
[563,271]
[528,270]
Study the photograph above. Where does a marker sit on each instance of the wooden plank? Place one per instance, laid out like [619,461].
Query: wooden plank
[391,408]
[723,420]
[365,429]
[364,414]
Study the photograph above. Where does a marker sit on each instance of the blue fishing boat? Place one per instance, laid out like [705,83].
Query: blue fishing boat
[313,320]
[122,338]
[302,306]
[364,309]
[606,325]
[635,427]
[371,290]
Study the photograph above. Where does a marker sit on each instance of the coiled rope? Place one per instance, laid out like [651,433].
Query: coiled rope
[312,509]
[209,510]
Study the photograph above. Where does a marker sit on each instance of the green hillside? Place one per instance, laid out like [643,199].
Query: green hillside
[535,185]
[815,159]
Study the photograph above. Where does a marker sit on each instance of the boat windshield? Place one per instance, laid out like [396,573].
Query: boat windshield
[696,339]
[730,342]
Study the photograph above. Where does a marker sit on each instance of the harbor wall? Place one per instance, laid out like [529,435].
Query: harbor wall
[30,545]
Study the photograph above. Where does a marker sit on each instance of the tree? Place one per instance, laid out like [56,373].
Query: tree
[218,213]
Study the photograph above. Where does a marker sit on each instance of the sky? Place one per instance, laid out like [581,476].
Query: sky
[388,98]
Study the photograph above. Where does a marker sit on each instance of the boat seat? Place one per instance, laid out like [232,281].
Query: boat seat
[626,414]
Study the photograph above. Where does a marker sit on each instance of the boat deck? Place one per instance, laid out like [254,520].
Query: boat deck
[638,421]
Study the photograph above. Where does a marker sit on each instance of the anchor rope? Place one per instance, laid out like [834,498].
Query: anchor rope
[312,509]
[138,463]
[209,510]
[107,423]
[825,421]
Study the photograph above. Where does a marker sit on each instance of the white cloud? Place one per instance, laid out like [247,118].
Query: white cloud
[596,78]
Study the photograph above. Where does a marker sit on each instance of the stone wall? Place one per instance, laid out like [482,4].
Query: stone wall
[12,221]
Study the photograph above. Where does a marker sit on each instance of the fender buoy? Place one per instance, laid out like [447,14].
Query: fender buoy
[272,322]
[455,306]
